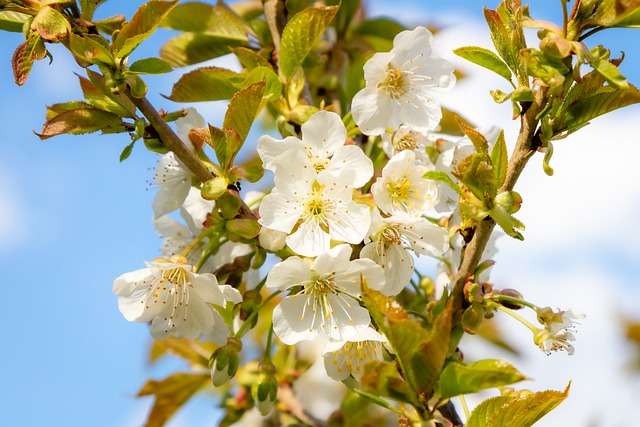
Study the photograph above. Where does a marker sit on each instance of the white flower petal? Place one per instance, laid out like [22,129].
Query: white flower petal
[290,272]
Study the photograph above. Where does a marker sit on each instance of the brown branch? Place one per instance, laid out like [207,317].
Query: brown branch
[171,140]
[526,145]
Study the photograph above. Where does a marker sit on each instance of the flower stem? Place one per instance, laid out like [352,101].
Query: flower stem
[465,408]
[267,349]
[519,318]
[513,300]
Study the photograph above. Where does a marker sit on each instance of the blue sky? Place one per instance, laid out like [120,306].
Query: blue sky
[72,218]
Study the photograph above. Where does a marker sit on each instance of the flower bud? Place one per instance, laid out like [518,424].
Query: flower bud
[250,302]
[265,389]
[224,361]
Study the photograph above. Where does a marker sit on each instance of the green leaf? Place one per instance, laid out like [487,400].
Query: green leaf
[88,8]
[12,21]
[55,109]
[219,144]
[110,25]
[142,25]
[100,97]
[380,27]
[476,173]
[241,112]
[484,58]
[150,66]
[443,177]
[51,24]
[91,48]
[171,394]
[25,55]
[421,353]
[191,48]
[250,58]
[485,410]
[127,151]
[612,13]
[507,222]
[273,88]
[247,228]
[385,380]
[214,188]
[609,71]
[81,121]
[300,35]
[205,84]
[195,17]
[524,411]
[600,102]
[478,139]
[458,378]
[500,159]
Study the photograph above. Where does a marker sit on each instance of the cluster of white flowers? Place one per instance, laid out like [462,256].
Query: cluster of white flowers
[336,221]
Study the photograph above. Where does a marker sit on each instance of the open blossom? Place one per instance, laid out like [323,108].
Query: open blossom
[328,301]
[322,143]
[391,239]
[402,188]
[172,176]
[402,86]
[406,139]
[175,300]
[342,358]
[313,208]
[559,328]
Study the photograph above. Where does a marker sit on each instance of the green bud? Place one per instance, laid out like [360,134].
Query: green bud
[510,201]
[224,361]
[265,389]
[250,302]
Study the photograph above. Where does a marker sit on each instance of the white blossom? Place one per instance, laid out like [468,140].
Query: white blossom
[172,176]
[402,86]
[313,208]
[391,239]
[328,302]
[322,143]
[349,356]
[175,300]
[402,187]
[406,139]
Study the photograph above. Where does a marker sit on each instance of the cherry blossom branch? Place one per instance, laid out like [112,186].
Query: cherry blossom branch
[526,145]
[287,398]
[173,142]
[170,139]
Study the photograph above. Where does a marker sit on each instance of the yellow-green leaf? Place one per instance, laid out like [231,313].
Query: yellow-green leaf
[171,394]
[81,121]
[484,58]
[300,35]
[142,25]
[191,48]
[51,24]
[12,21]
[500,159]
[150,66]
[242,111]
[91,48]
[195,17]
[205,84]
[458,378]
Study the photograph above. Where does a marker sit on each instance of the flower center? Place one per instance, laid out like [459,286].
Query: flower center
[390,235]
[315,208]
[396,83]
[406,142]
[401,192]
[318,163]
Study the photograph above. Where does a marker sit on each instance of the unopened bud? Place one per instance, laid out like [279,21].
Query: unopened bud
[224,361]
[265,389]
[250,301]
[513,294]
